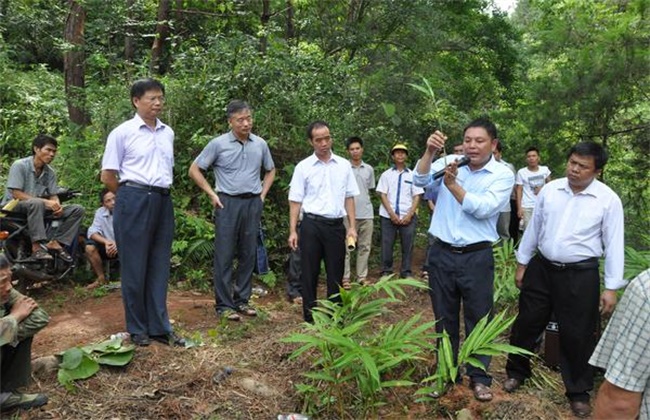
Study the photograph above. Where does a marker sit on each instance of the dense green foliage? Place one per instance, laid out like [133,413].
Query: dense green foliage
[555,72]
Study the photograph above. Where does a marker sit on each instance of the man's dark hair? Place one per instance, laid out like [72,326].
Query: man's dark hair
[236,106]
[353,140]
[42,140]
[315,124]
[589,148]
[499,147]
[102,194]
[4,262]
[483,123]
[532,149]
[142,86]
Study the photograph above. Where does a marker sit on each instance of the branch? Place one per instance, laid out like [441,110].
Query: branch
[627,130]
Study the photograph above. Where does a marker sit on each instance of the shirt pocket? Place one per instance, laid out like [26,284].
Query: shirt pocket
[587,223]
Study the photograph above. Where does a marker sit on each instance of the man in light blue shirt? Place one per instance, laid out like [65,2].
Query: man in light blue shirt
[100,243]
[461,266]
[139,160]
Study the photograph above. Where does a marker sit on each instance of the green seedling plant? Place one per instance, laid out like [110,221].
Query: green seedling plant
[506,293]
[484,340]
[83,362]
[353,356]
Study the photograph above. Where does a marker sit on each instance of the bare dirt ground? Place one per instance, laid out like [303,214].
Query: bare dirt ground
[173,383]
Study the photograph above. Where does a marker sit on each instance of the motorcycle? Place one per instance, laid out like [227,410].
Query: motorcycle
[16,244]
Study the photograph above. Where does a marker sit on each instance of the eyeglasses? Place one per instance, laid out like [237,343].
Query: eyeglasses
[160,98]
[243,120]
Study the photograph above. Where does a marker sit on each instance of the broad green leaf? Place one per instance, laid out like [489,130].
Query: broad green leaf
[72,358]
[87,368]
[115,359]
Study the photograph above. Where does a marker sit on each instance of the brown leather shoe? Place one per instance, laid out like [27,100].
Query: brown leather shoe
[581,409]
[512,384]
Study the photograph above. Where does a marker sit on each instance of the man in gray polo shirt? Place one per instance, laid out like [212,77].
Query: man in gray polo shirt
[32,181]
[365,176]
[237,159]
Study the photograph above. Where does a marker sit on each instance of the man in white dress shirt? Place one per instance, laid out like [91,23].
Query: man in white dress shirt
[323,186]
[576,220]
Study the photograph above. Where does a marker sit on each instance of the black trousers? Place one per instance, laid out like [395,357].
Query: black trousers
[573,296]
[466,278]
[293,274]
[514,222]
[318,241]
[16,365]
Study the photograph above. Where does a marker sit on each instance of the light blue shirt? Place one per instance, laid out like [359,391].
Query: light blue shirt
[140,154]
[102,224]
[475,220]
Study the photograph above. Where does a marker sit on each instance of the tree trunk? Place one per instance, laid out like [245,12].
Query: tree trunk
[73,62]
[158,66]
[4,6]
[129,45]
[266,16]
[291,30]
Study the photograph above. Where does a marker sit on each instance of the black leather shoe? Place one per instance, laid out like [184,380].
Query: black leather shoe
[170,339]
[581,409]
[512,384]
[141,340]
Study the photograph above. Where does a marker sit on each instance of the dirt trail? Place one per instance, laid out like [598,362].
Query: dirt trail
[173,383]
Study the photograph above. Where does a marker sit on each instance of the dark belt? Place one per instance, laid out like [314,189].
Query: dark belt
[463,249]
[150,188]
[588,264]
[244,195]
[326,220]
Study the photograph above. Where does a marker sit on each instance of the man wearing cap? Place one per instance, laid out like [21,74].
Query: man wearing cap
[399,202]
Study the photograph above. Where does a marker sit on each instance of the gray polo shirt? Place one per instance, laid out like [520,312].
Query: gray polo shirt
[22,176]
[237,166]
[365,176]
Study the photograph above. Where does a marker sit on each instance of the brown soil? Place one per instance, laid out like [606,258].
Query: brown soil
[173,383]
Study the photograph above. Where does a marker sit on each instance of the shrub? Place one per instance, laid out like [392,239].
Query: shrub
[354,356]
